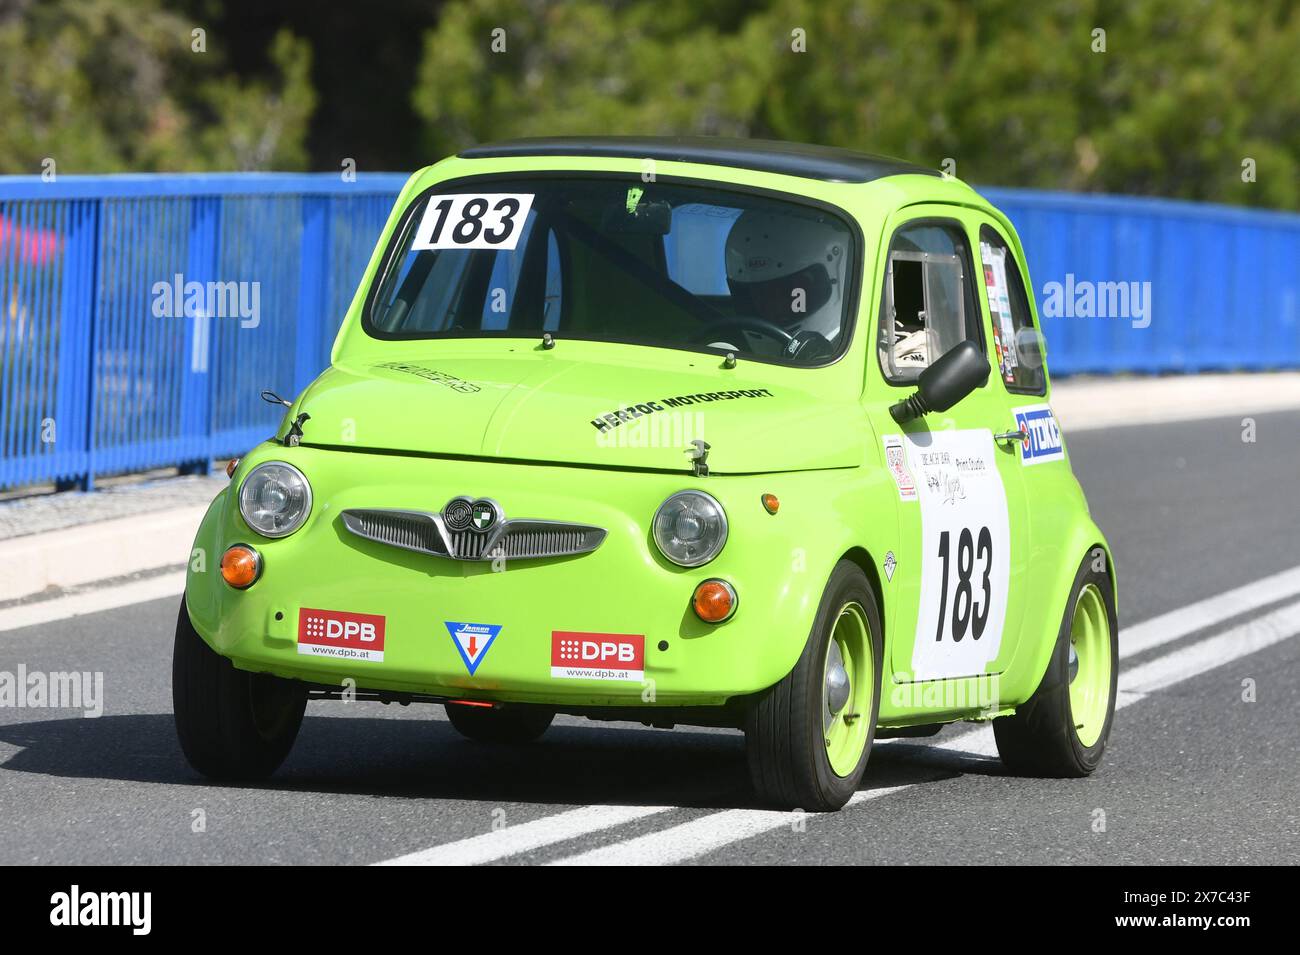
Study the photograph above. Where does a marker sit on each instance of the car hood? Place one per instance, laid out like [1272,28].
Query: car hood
[538,406]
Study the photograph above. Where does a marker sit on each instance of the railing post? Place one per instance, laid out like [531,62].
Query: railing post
[313,272]
[75,401]
[201,264]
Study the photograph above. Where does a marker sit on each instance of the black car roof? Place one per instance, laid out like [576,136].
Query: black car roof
[763,155]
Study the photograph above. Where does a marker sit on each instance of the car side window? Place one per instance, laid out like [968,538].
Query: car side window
[929,303]
[1016,343]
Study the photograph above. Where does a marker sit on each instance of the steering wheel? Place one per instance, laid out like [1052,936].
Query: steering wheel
[761,326]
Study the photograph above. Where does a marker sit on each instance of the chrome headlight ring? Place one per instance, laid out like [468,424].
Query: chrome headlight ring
[690,528]
[275,499]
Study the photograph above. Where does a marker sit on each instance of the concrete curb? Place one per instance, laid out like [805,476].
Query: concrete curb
[75,556]
[1084,404]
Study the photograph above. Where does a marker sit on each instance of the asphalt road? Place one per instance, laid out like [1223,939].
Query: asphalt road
[1194,773]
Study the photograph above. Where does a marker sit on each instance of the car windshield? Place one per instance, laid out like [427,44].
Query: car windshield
[608,259]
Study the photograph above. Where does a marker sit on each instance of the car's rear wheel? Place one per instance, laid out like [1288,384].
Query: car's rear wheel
[1062,730]
[488,724]
[808,737]
[232,724]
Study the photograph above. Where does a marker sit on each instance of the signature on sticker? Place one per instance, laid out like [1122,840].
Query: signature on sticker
[953,490]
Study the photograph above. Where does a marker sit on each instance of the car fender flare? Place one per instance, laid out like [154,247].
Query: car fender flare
[1032,656]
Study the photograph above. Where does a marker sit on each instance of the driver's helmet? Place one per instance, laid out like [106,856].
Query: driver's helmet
[771,257]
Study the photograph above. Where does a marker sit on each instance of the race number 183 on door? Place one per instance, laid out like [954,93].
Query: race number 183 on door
[965,555]
[473,221]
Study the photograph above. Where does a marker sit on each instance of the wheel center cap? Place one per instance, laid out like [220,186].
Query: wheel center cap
[837,688]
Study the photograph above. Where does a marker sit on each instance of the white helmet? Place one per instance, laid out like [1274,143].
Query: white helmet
[789,269]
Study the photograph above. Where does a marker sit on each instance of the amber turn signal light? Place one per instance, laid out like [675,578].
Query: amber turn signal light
[714,601]
[230,467]
[241,566]
[770,503]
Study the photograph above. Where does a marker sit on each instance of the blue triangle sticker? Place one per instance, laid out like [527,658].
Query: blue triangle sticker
[472,641]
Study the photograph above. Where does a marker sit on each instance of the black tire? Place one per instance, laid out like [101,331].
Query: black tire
[232,724]
[509,725]
[1040,739]
[788,763]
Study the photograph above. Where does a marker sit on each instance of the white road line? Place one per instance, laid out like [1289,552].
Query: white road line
[92,601]
[527,836]
[1206,613]
[707,833]
[1204,655]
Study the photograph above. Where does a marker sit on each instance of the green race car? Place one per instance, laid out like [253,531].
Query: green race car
[692,431]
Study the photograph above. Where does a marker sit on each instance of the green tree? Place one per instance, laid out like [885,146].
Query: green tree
[102,86]
[1181,94]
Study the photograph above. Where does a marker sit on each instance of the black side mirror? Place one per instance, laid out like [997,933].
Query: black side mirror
[957,373]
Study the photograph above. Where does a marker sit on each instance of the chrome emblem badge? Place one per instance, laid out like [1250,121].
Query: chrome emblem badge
[467,514]
[458,514]
[483,514]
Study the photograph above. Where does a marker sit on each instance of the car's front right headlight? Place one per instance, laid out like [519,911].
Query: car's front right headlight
[275,499]
[690,528]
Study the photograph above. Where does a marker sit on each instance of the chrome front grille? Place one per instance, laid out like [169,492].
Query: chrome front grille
[524,539]
[466,545]
[410,530]
[426,533]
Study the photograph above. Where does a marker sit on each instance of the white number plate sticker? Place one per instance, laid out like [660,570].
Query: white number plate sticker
[490,220]
[966,553]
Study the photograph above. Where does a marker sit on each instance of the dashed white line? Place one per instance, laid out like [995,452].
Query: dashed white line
[527,836]
[1206,613]
[1204,655]
[705,834]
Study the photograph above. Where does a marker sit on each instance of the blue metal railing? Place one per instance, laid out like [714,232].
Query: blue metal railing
[101,372]
[1224,281]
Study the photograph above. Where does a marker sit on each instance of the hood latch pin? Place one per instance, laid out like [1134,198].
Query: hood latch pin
[700,457]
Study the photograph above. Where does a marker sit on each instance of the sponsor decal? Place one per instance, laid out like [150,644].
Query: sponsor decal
[1044,442]
[965,555]
[639,409]
[896,460]
[597,656]
[430,374]
[890,564]
[472,640]
[340,634]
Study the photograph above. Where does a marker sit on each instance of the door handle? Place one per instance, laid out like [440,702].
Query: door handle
[1021,436]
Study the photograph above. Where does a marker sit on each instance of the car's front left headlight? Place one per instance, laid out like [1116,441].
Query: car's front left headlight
[275,499]
[690,528]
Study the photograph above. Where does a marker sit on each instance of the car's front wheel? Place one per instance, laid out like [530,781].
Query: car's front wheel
[1062,730]
[490,724]
[232,724]
[808,737]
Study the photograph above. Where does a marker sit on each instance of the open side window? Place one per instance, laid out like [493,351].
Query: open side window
[929,303]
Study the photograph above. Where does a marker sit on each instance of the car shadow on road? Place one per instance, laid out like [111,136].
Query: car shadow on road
[575,763]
